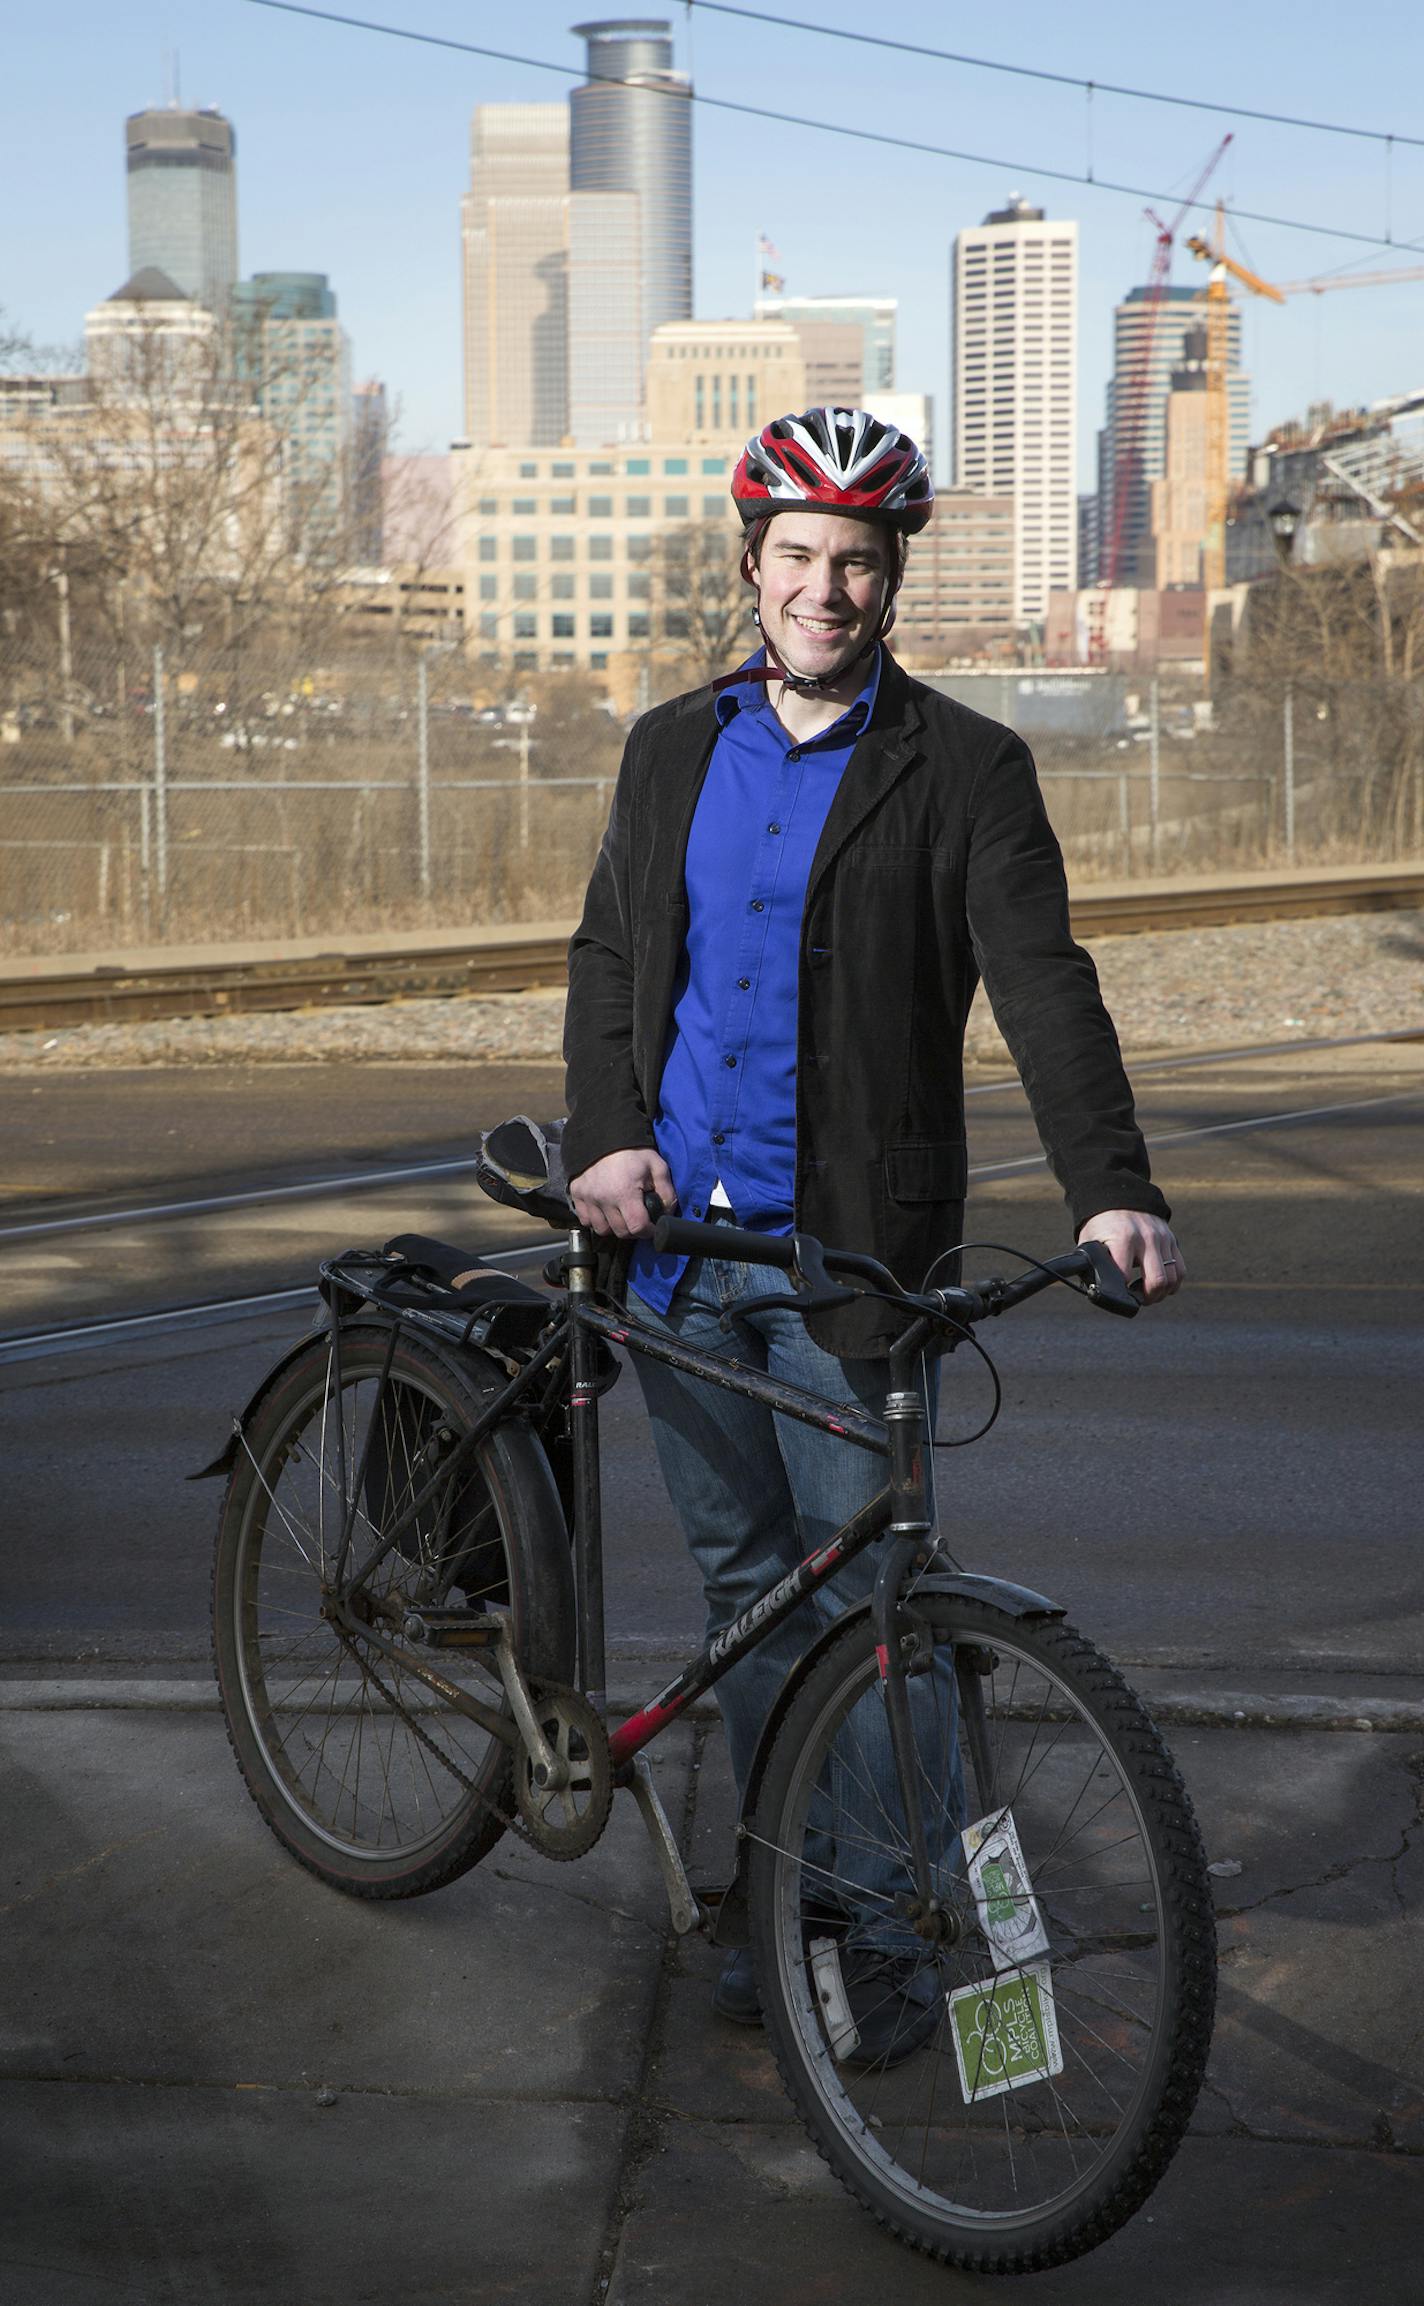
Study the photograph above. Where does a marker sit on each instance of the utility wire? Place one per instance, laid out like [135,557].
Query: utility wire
[1057,79]
[1019,168]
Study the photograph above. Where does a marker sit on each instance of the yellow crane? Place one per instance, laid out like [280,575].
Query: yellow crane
[1218,333]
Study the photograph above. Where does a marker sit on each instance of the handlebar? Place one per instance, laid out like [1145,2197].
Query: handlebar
[811,1266]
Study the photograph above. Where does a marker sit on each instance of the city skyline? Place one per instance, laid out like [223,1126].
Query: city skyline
[347,184]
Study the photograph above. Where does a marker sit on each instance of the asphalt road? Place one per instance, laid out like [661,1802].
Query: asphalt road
[1224,1486]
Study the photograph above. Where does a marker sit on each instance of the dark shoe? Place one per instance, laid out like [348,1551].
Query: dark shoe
[895,2002]
[735,1994]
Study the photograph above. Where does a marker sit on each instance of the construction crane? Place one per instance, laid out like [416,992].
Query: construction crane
[1351,280]
[1218,334]
[1129,420]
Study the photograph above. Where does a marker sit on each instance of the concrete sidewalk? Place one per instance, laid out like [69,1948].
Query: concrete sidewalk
[222,2082]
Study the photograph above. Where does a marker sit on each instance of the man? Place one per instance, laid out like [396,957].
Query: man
[805,873]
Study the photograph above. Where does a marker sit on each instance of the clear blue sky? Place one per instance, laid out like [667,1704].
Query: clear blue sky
[352,156]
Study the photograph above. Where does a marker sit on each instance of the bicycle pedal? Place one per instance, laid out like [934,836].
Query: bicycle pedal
[454,1628]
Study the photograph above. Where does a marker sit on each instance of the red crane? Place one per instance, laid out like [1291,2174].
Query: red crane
[1129,455]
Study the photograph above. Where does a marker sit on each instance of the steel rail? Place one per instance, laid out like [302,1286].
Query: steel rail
[34,998]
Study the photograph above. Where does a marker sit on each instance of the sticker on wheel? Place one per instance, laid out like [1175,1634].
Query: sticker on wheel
[998,1875]
[1005,2033]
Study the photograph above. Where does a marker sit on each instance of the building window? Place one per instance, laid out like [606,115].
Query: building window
[639,508]
[561,659]
[610,469]
[600,548]
[699,404]
[525,507]
[640,548]
[563,504]
[600,588]
[529,472]
[600,627]
[711,464]
[526,547]
[732,398]
[527,660]
[638,626]
[489,548]
[640,585]
[712,507]
[562,627]
[526,588]
[489,588]
[489,628]
[561,588]
[675,624]
[561,548]
[716,406]
[489,506]
[526,625]
[638,465]
[562,471]
[672,464]
[600,508]
[598,662]
[675,507]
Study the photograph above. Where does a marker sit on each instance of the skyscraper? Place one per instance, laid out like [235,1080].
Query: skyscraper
[849,342]
[1132,444]
[514,229]
[296,353]
[631,132]
[182,187]
[1014,355]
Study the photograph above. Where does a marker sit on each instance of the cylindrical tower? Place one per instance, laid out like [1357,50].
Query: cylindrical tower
[182,185]
[631,131]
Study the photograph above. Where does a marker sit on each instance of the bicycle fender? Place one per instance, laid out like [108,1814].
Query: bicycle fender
[729,1924]
[226,1458]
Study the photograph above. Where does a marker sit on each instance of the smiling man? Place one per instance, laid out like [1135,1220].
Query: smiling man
[806,872]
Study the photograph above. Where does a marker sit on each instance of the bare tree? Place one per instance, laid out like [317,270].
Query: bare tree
[700,608]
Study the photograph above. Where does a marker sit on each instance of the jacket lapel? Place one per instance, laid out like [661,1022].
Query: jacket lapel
[679,771]
[882,755]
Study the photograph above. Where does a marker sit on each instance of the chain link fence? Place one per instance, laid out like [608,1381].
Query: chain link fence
[243,793]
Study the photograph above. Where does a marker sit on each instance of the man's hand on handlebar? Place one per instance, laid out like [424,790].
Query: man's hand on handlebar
[1139,1243]
[608,1196]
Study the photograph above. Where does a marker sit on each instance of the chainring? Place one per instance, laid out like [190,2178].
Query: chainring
[565,1821]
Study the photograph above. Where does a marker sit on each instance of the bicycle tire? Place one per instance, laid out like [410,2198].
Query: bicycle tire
[359,1768]
[990,2157]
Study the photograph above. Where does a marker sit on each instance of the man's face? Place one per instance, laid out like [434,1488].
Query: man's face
[820,589]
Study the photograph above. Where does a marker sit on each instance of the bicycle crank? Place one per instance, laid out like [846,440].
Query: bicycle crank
[564,1811]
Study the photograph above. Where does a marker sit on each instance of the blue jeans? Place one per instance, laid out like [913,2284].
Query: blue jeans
[755,1493]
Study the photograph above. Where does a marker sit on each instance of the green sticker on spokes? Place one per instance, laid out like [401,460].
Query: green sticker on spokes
[1005,2033]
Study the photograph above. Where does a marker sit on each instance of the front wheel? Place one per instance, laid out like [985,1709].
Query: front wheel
[1003,2073]
[359,1766]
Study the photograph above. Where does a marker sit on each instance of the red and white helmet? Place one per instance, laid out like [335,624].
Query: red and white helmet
[834,460]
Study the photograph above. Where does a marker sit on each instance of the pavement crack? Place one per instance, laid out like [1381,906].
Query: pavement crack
[646,2119]
[547,1889]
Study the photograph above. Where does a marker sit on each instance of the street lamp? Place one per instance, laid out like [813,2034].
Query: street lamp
[1285,520]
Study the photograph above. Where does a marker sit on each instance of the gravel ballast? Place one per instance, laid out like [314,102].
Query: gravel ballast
[1169,991]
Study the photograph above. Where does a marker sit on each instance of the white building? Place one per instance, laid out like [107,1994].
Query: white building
[1014,353]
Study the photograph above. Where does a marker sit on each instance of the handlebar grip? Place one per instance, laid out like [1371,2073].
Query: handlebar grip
[1108,1289]
[684,1237]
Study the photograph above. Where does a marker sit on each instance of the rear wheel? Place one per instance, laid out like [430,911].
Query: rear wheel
[366,1774]
[1002,2081]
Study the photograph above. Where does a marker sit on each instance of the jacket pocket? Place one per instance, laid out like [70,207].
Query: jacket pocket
[927,1172]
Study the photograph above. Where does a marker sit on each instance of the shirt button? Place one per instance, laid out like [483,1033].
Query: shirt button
[729,1060]
[757,905]
[744,984]
[773,828]
[719,1137]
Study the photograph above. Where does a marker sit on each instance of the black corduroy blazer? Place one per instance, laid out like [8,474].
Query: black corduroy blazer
[936,866]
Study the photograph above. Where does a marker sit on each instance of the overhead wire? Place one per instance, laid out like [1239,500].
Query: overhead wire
[1022,168]
[1092,88]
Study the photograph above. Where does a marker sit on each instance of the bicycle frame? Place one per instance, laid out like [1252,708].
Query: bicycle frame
[898,1508]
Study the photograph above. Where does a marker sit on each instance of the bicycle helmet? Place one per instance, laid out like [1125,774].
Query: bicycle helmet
[834,460]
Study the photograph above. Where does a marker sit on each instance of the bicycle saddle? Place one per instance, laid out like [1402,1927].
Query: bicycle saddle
[520,1164]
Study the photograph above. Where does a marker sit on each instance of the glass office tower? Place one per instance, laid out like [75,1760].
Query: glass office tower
[182,187]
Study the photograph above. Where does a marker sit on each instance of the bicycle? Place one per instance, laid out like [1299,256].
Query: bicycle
[955,1792]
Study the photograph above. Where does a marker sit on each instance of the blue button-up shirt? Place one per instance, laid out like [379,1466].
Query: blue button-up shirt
[728,1101]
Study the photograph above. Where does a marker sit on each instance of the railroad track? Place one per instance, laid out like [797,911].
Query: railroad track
[34,996]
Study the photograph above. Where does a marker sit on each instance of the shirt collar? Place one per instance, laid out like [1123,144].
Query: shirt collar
[750,696]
